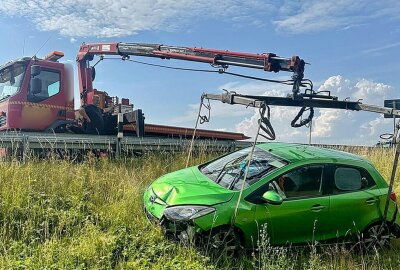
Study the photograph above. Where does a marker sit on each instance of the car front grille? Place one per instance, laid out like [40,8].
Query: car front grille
[151,218]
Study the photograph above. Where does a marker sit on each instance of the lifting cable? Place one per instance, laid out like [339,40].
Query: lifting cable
[249,159]
[304,83]
[261,121]
[266,124]
[200,119]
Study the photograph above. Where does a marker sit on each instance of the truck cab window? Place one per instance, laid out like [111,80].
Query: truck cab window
[11,78]
[50,85]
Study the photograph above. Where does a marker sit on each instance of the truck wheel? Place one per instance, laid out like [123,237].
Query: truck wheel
[96,124]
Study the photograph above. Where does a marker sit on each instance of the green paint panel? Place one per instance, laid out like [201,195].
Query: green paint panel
[313,208]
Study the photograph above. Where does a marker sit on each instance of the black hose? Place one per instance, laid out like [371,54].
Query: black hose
[266,125]
[302,122]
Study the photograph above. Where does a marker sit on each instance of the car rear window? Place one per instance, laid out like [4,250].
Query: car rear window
[347,179]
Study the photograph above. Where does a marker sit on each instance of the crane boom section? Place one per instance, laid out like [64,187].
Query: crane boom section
[315,101]
[269,62]
[264,61]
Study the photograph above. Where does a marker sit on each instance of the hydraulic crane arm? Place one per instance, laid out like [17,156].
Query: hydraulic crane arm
[306,100]
[267,62]
[220,58]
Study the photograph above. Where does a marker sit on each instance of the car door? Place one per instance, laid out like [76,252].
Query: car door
[354,201]
[303,214]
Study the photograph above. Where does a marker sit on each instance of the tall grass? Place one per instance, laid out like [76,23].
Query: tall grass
[64,215]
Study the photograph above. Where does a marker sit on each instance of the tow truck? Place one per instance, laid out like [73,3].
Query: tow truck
[37,99]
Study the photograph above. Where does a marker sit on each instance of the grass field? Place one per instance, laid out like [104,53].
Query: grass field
[64,215]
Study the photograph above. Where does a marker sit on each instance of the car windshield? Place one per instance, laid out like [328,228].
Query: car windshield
[228,171]
[11,78]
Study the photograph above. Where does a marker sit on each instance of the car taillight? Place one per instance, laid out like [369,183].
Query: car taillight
[393,196]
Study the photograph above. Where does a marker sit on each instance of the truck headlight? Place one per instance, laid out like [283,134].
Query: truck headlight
[186,212]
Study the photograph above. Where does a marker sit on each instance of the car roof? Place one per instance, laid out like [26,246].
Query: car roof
[293,152]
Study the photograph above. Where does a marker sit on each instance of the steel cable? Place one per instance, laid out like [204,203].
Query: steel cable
[303,83]
[202,120]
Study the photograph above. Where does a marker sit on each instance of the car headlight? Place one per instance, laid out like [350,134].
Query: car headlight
[186,212]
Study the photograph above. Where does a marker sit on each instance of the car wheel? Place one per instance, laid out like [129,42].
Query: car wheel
[222,240]
[376,237]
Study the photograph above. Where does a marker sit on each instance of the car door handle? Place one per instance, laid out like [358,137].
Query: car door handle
[317,208]
[371,201]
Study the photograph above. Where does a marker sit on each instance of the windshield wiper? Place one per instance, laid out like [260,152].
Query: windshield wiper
[5,97]
[259,174]
[232,163]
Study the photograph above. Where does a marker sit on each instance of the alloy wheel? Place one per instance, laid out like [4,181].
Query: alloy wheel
[223,241]
[376,237]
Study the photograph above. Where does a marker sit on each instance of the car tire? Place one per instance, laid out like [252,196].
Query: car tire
[223,240]
[375,237]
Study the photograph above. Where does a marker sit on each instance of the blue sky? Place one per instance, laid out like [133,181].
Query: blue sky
[352,47]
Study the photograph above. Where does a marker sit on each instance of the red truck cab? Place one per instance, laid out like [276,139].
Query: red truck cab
[36,94]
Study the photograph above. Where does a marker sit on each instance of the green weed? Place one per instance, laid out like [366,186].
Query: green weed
[58,214]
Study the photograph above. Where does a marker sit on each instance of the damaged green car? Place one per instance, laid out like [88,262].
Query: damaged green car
[298,193]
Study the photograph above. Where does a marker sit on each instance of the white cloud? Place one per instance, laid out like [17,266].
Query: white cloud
[110,18]
[315,15]
[329,126]
[220,110]
[382,48]
[280,120]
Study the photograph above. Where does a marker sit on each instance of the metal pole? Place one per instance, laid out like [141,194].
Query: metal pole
[120,134]
[309,137]
[24,149]
[392,177]
[394,117]
[394,168]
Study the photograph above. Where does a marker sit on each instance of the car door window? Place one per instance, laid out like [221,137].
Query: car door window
[348,179]
[301,182]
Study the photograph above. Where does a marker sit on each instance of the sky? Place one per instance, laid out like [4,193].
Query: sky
[352,47]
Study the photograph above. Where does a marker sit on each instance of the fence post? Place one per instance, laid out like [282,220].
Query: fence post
[120,134]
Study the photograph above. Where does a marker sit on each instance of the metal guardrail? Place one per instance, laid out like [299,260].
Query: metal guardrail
[25,141]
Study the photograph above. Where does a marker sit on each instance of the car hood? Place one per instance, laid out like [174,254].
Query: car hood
[189,186]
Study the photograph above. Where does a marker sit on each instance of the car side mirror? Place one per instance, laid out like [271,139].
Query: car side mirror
[272,197]
[36,86]
[35,70]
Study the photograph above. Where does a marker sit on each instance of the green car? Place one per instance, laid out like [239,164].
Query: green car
[298,193]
